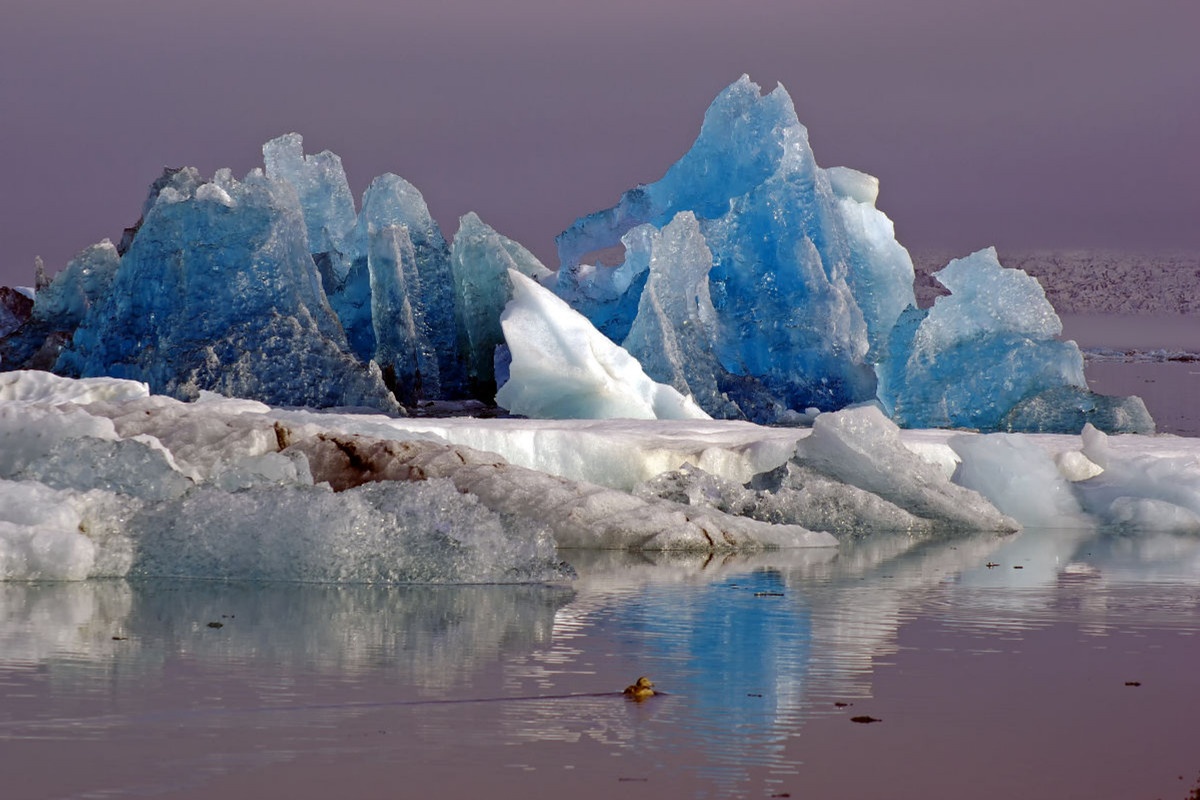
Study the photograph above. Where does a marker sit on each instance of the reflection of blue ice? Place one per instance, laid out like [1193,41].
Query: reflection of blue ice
[736,652]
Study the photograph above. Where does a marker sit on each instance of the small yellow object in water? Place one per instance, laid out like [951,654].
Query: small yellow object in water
[640,690]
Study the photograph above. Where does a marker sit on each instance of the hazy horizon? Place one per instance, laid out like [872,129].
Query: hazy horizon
[1009,123]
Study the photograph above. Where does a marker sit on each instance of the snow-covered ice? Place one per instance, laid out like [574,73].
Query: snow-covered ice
[100,478]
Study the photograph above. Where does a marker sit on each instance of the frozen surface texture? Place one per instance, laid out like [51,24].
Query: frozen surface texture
[480,259]
[390,532]
[562,367]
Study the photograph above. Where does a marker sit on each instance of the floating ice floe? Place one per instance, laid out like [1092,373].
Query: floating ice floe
[98,478]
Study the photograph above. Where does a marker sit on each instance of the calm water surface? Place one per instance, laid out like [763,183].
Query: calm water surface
[988,681]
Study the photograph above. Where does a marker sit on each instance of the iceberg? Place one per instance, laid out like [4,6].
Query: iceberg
[325,197]
[851,475]
[100,479]
[1138,490]
[1019,478]
[59,307]
[812,296]
[791,244]
[218,292]
[392,201]
[384,271]
[562,367]
[860,447]
[399,332]
[675,331]
[979,356]
[755,285]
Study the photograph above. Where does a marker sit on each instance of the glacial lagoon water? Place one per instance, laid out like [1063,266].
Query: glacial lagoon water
[1048,664]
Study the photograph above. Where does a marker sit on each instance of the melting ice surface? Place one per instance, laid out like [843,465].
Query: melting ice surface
[98,477]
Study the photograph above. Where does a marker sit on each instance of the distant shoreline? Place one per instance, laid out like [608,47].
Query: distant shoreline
[1090,281]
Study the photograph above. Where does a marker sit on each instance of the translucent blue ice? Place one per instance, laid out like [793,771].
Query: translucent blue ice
[806,274]
[391,200]
[402,347]
[480,259]
[218,291]
[674,333]
[325,197]
[84,280]
[609,297]
[978,352]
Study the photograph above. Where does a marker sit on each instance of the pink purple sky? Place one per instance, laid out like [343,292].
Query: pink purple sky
[1018,123]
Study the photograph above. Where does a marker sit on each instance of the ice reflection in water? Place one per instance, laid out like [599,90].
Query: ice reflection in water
[750,650]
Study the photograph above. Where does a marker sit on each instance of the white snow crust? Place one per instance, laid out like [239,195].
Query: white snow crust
[100,479]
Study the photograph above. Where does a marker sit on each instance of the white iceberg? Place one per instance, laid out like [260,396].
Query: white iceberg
[563,368]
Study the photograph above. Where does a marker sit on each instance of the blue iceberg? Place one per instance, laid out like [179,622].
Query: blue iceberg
[218,291]
[755,285]
[798,294]
[986,357]
[806,276]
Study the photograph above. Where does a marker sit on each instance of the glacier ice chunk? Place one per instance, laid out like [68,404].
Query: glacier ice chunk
[1139,490]
[562,367]
[861,447]
[125,466]
[1069,408]
[674,333]
[806,274]
[1019,478]
[578,514]
[59,307]
[968,360]
[403,350]
[231,295]
[425,532]
[609,297]
[391,200]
